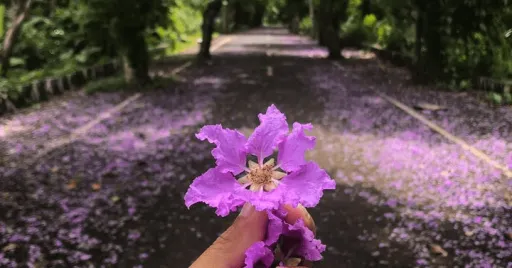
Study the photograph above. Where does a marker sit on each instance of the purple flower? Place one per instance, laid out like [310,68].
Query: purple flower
[298,240]
[133,235]
[294,241]
[143,256]
[258,255]
[34,253]
[19,238]
[266,185]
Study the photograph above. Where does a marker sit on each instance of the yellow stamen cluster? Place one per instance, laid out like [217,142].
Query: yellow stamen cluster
[262,177]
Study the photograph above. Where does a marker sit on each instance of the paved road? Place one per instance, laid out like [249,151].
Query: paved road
[406,196]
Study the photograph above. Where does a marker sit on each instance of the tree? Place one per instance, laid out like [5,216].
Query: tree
[22,8]
[210,13]
[311,5]
[433,38]
[418,43]
[2,16]
[331,14]
[126,24]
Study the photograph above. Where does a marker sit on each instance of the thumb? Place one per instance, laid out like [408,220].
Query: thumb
[229,249]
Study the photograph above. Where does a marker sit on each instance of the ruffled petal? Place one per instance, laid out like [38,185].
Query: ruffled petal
[230,151]
[217,189]
[274,227]
[308,248]
[262,200]
[297,238]
[271,131]
[291,151]
[304,186]
[258,254]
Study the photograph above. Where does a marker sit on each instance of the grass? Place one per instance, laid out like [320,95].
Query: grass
[499,99]
[118,83]
[108,84]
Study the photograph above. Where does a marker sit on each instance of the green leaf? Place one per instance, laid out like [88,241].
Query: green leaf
[15,62]
[507,97]
[496,98]
[2,13]
[370,20]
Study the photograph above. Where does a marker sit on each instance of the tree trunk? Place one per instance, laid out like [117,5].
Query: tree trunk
[313,32]
[333,42]
[433,41]
[295,24]
[331,13]
[225,19]
[321,29]
[128,71]
[136,61]
[209,15]
[418,45]
[259,13]
[12,34]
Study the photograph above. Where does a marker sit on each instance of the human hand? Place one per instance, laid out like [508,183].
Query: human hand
[228,251]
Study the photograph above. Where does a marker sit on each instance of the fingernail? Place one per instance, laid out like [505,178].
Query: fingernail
[247,210]
[305,212]
[308,219]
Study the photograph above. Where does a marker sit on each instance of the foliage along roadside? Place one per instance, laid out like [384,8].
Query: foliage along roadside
[63,48]
[103,77]
[70,36]
[450,42]
[454,53]
[20,95]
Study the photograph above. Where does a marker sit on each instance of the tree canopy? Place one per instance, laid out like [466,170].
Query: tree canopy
[453,42]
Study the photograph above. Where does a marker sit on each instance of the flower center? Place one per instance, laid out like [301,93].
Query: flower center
[262,177]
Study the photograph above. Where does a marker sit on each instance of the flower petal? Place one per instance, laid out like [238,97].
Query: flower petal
[275,227]
[291,151]
[262,200]
[217,189]
[295,237]
[309,248]
[265,138]
[230,151]
[258,254]
[305,186]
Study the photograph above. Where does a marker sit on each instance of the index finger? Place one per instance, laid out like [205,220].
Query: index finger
[295,214]
[300,212]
